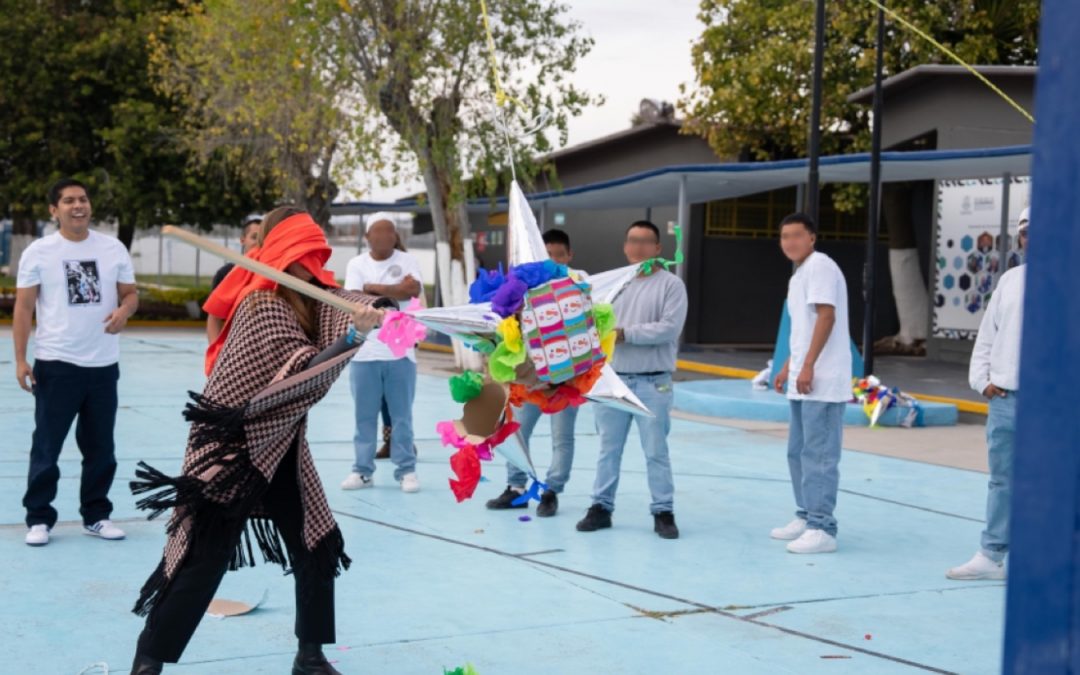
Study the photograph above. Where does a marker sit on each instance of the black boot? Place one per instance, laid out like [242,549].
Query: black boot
[310,660]
[506,500]
[596,518]
[549,504]
[664,525]
[384,451]
[144,665]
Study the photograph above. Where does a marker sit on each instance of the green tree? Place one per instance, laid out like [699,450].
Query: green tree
[425,66]
[754,62]
[76,99]
[261,86]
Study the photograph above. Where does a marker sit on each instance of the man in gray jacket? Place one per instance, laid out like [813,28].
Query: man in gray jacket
[649,315]
[995,373]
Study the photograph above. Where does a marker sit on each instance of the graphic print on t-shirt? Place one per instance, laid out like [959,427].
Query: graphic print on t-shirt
[83,282]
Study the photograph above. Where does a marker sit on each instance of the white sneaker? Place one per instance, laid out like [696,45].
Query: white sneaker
[357,481]
[104,529]
[410,483]
[792,530]
[979,567]
[38,535]
[813,541]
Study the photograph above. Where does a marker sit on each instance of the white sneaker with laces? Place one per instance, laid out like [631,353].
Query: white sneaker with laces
[357,481]
[37,535]
[410,483]
[792,530]
[978,568]
[813,541]
[104,529]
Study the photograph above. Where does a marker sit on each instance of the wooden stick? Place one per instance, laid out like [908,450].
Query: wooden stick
[262,269]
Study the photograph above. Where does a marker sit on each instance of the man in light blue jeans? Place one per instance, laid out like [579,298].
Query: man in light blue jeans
[656,393]
[373,382]
[817,379]
[649,317]
[562,459]
[995,373]
[814,441]
[387,270]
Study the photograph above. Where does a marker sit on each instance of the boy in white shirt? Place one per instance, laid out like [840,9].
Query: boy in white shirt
[995,373]
[375,373]
[818,381]
[82,286]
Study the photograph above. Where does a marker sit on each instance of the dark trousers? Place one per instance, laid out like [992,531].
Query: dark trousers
[177,613]
[63,392]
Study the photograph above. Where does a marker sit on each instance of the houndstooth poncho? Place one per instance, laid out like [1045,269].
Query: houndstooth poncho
[252,411]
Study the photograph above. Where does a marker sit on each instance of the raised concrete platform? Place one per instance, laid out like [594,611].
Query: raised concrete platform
[737,399]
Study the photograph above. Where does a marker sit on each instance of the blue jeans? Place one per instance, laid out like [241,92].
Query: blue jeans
[614,426]
[562,446]
[1000,434]
[814,442]
[372,382]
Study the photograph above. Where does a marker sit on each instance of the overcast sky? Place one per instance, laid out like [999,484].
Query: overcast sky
[642,50]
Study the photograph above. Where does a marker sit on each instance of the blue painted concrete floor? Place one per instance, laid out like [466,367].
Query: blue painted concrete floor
[436,584]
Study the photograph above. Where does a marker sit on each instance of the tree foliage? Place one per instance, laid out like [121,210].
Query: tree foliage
[754,60]
[425,67]
[76,99]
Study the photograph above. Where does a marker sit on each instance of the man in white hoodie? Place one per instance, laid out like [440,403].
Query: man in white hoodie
[995,373]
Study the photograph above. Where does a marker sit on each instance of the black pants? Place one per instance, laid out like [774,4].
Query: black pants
[177,613]
[63,392]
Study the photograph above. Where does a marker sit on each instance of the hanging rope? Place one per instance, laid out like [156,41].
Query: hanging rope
[952,55]
[503,101]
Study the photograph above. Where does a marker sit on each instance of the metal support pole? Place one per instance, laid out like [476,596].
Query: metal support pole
[873,216]
[543,216]
[1003,245]
[812,188]
[683,222]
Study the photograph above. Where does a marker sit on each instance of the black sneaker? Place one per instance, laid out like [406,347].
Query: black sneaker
[506,500]
[664,525]
[549,504]
[596,518]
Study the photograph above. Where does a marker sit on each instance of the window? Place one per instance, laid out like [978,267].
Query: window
[758,216]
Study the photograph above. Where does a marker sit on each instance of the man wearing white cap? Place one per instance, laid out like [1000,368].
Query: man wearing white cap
[383,269]
[995,373]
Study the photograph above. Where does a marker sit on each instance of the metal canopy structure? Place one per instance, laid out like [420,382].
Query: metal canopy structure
[710,182]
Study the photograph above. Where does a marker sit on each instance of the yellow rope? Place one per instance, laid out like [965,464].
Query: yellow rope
[501,97]
[951,55]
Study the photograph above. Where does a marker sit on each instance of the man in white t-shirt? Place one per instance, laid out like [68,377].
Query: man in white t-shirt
[375,373]
[817,377]
[82,286]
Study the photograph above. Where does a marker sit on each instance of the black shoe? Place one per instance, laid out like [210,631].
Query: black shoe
[310,660]
[664,525]
[549,504]
[144,665]
[596,518]
[506,500]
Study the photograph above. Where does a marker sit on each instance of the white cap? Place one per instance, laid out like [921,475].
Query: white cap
[1024,216]
[379,217]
